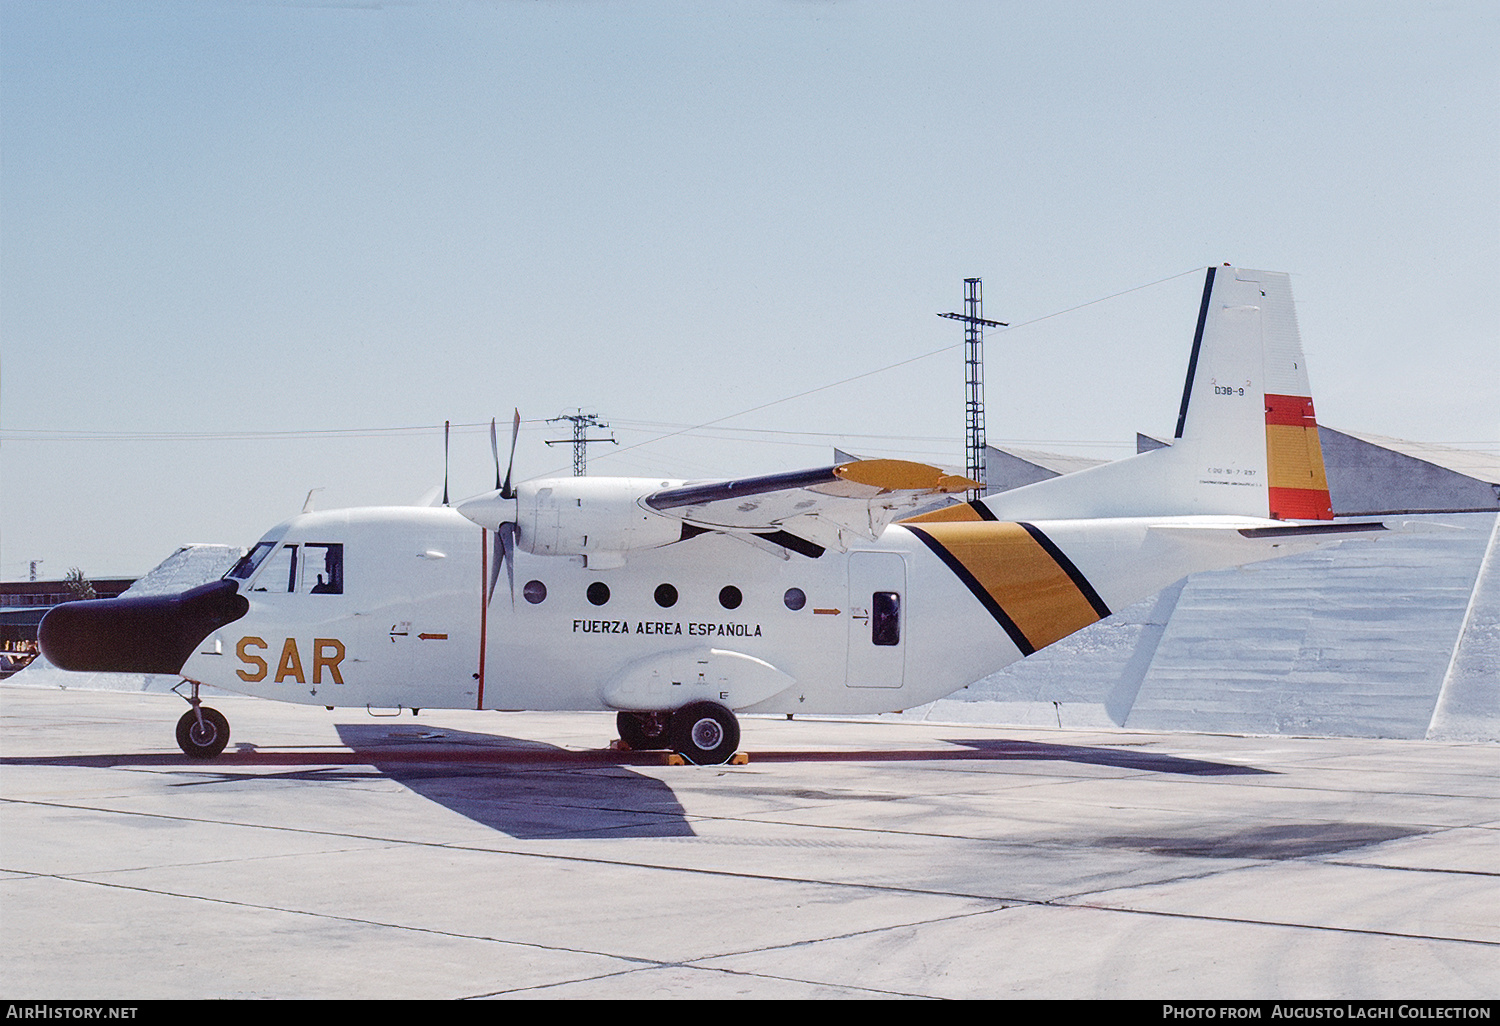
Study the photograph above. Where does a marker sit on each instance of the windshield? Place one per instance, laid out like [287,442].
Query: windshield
[242,570]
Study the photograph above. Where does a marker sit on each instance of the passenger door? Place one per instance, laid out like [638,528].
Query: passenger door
[877,620]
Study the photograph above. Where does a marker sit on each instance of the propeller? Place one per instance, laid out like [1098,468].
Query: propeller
[505,530]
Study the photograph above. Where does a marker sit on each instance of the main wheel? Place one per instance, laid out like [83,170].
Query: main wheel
[205,740]
[705,733]
[643,731]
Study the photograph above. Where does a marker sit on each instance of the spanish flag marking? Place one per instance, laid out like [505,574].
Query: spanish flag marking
[1297,482]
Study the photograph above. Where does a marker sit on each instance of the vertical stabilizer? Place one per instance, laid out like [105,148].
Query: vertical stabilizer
[1247,408]
[1246,441]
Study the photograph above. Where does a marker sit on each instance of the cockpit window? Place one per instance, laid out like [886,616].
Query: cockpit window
[279,575]
[323,568]
[242,570]
[309,568]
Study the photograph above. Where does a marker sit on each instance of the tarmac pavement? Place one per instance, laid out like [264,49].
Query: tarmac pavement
[473,855]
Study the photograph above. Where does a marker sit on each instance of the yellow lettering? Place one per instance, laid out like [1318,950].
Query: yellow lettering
[291,663]
[336,647]
[251,660]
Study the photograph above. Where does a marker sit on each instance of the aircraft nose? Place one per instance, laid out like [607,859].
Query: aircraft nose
[145,634]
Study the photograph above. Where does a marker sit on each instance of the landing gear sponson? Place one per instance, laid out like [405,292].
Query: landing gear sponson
[703,733]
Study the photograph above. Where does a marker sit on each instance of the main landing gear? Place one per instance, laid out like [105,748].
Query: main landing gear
[644,731]
[202,732]
[703,733]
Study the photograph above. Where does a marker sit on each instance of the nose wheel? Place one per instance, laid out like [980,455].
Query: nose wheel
[202,732]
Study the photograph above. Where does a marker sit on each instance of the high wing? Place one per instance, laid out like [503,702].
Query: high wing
[808,511]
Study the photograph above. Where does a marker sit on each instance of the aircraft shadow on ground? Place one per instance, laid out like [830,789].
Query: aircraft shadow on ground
[1004,750]
[527,789]
[533,790]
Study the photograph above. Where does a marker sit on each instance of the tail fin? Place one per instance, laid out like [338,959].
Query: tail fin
[1246,441]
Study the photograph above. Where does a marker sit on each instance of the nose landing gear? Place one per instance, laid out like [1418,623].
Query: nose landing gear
[202,732]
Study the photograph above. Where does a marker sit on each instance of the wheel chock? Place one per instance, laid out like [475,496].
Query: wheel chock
[674,759]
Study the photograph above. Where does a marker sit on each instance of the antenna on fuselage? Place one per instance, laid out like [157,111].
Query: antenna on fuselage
[974,325]
[445,462]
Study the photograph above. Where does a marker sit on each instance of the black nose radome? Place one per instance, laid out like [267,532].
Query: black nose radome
[150,634]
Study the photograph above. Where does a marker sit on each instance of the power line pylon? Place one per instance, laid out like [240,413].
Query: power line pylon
[974,325]
[581,423]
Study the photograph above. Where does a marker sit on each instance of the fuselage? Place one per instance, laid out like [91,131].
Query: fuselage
[409,607]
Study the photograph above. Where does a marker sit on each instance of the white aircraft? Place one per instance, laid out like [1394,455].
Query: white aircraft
[681,604]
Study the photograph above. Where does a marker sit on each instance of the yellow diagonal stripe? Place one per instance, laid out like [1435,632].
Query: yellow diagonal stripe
[957,513]
[1026,582]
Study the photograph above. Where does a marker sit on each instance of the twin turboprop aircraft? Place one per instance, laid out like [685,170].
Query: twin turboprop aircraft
[679,605]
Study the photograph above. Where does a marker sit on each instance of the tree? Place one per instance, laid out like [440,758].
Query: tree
[79,586]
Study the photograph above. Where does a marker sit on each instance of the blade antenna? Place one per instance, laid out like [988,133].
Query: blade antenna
[445,462]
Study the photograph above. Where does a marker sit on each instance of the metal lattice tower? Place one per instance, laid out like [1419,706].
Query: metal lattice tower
[581,423]
[974,324]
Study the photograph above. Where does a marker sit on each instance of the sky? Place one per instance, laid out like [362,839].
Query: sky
[251,249]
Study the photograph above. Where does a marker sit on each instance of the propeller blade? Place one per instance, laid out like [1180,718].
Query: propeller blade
[508,555]
[506,492]
[497,560]
[495,449]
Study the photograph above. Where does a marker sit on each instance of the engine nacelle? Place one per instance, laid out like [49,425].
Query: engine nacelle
[579,516]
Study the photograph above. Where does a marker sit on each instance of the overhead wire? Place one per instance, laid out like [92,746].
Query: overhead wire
[889,367]
[717,424]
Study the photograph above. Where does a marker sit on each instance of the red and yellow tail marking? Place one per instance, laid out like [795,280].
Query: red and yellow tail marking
[1025,581]
[1298,483]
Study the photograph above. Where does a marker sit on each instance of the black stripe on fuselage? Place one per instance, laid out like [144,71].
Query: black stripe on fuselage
[1066,566]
